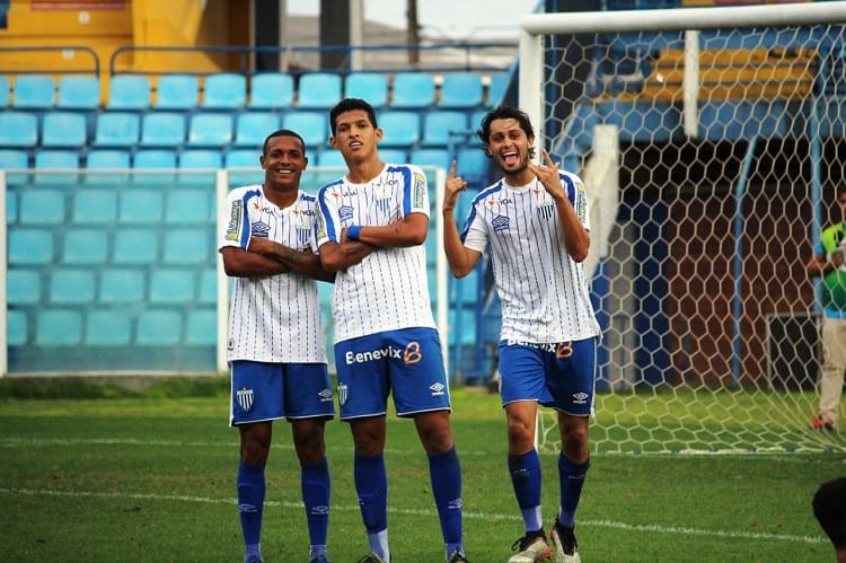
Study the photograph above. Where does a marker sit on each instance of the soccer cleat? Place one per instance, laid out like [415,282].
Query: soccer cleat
[530,548]
[566,546]
[458,557]
[820,423]
[371,558]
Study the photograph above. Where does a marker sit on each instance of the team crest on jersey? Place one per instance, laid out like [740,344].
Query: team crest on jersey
[234,221]
[303,236]
[419,190]
[345,212]
[343,394]
[245,398]
[260,229]
[546,211]
[501,223]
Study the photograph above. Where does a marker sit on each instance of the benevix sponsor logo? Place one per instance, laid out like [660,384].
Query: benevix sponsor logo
[325,396]
[409,355]
[560,349]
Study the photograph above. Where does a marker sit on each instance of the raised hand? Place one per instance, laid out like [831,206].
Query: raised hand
[548,175]
[453,185]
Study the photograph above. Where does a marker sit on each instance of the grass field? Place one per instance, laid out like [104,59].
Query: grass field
[96,472]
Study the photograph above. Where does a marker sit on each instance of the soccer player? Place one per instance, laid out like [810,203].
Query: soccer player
[371,227]
[277,352]
[830,511]
[534,223]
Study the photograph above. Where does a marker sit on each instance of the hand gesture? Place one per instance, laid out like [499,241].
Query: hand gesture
[548,175]
[454,184]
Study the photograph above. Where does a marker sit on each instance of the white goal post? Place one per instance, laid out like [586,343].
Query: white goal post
[723,132]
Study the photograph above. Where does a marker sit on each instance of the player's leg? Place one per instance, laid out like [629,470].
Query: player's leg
[831,380]
[309,404]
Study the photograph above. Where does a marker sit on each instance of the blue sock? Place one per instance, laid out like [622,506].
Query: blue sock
[445,473]
[251,489]
[371,484]
[526,479]
[316,486]
[571,478]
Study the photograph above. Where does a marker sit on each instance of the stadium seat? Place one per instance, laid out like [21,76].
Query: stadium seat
[94,207]
[122,286]
[318,90]
[30,247]
[42,207]
[79,93]
[461,90]
[58,327]
[18,130]
[431,157]
[108,328]
[162,129]
[187,246]
[473,165]
[56,160]
[271,91]
[34,92]
[171,287]
[187,207]
[18,328]
[208,287]
[244,158]
[23,287]
[154,160]
[11,208]
[224,91]
[369,86]
[393,156]
[312,127]
[128,92]
[401,128]
[413,90]
[438,127]
[251,129]
[11,159]
[199,159]
[5,92]
[72,286]
[135,246]
[330,158]
[117,129]
[497,89]
[140,206]
[177,92]
[476,119]
[210,130]
[62,129]
[87,247]
[107,159]
[201,328]
[159,328]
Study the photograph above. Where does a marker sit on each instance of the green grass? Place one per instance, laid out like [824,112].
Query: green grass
[102,472]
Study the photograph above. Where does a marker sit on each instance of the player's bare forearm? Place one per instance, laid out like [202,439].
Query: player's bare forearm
[335,257]
[304,262]
[239,263]
[576,237]
[461,259]
[408,231]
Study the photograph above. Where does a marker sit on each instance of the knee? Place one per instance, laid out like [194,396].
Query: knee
[309,445]
[436,437]
[254,452]
[574,441]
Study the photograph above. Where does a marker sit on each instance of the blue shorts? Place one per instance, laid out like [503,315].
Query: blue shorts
[263,391]
[561,376]
[408,362]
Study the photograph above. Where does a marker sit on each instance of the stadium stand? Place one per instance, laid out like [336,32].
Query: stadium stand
[177,92]
[319,91]
[413,90]
[210,130]
[34,92]
[5,92]
[370,86]
[461,90]
[79,93]
[163,130]
[271,91]
[18,129]
[117,129]
[252,128]
[224,91]
[129,93]
[62,129]
[99,160]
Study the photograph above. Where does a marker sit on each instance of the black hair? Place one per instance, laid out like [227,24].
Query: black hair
[830,510]
[506,112]
[351,104]
[283,133]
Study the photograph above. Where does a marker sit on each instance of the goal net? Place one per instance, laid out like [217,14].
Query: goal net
[711,141]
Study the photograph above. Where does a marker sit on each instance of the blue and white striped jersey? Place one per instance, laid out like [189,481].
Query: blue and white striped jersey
[388,290]
[543,291]
[273,318]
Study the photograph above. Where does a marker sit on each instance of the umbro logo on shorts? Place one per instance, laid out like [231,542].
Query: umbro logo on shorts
[579,398]
[437,389]
[325,395]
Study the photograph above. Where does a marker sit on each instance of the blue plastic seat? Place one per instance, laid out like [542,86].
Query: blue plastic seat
[141,207]
[461,90]
[188,206]
[201,328]
[5,92]
[431,157]
[312,127]
[369,86]
[401,128]
[135,247]
[64,129]
[438,125]
[23,287]
[34,92]
[172,287]
[162,129]
[30,247]
[319,90]
[199,159]
[156,160]
[122,286]
[271,91]
[208,287]
[42,207]
[393,156]
[413,90]
[244,158]
[11,208]
[187,246]
[251,129]
[159,328]
[99,160]
[210,130]
[65,160]
[11,159]
[18,130]
[224,91]
[18,327]
[58,327]
[94,207]
[72,286]
[108,328]
[473,165]
[117,129]
[177,92]
[497,89]
[79,93]
[129,92]
[85,247]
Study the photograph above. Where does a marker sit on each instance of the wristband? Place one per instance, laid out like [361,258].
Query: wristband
[353,232]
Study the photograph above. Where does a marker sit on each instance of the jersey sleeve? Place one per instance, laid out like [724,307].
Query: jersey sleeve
[475,232]
[417,192]
[236,222]
[578,197]
[328,224]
